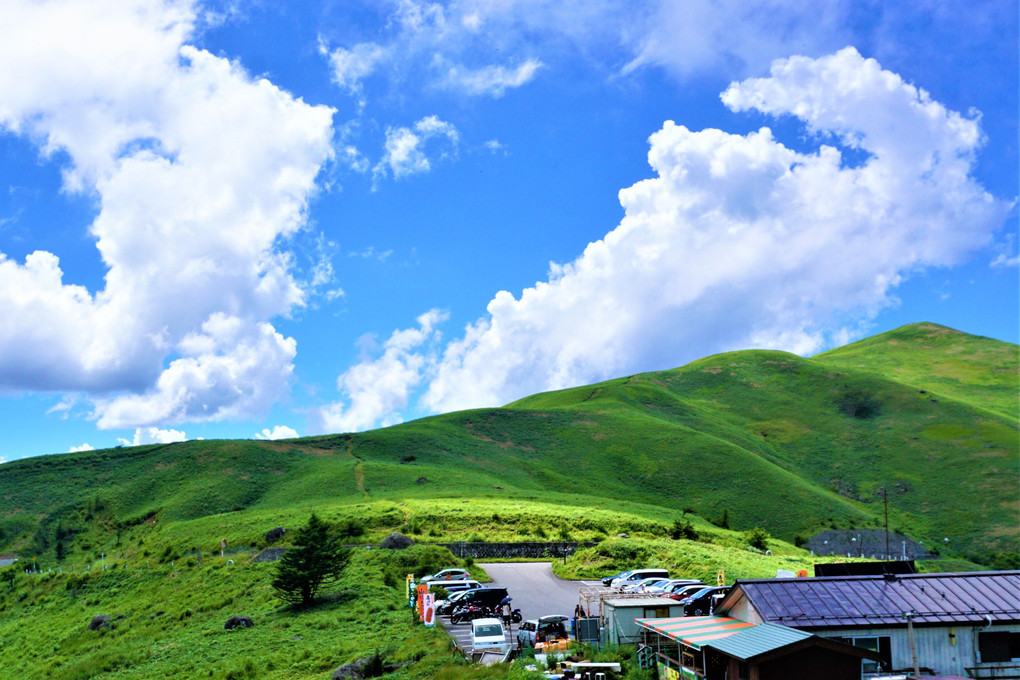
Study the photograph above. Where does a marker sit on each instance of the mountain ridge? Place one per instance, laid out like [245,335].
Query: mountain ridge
[795,445]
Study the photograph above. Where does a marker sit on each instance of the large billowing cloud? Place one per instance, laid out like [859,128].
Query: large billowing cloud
[739,241]
[198,172]
[378,389]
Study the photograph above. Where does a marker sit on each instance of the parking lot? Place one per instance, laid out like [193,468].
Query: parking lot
[461,633]
[535,590]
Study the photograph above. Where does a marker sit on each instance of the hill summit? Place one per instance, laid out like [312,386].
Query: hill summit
[924,416]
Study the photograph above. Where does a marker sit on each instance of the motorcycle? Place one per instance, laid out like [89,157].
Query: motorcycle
[470,613]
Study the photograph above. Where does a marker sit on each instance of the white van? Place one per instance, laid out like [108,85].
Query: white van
[488,635]
[638,575]
[453,586]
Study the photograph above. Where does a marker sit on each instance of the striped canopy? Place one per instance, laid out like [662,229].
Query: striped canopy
[695,631]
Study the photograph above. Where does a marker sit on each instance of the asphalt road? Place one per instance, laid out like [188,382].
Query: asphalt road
[535,591]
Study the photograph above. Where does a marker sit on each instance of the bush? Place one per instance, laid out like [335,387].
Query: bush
[757,538]
[858,403]
[683,530]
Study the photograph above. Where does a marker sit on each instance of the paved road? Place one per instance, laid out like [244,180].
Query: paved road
[535,591]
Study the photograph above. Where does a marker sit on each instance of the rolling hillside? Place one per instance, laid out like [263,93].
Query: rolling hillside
[774,440]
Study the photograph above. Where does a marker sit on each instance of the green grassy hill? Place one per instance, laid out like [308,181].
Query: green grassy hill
[979,371]
[761,438]
[790,444]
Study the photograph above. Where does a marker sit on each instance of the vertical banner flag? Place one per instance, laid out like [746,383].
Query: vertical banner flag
[430,610]
[721,578]
[422,592]
[408,589]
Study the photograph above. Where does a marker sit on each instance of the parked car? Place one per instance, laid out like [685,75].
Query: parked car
[608,580]
[488,635]
[488,596]
[547,628]
[445,607]
[642,586]
[702,603]
[683,592]
[637,576]
[447,575]
[453,586]
[672,585]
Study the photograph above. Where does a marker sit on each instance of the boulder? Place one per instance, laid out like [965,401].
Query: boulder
[275,534]
[238,622]
[269,555]
[622,535]
[396,541]
[99,621]
[354,670]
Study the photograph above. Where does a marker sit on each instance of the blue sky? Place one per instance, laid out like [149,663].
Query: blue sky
[251,219]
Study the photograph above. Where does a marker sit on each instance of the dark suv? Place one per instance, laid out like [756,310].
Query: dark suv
[702,603]
[489,596]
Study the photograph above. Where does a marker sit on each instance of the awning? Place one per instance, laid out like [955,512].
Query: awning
[694,631]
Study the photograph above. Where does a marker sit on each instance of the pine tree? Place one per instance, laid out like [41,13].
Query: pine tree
[317,560]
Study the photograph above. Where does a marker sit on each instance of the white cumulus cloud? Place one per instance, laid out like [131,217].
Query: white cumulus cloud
[740,241]
[376,389]
[78,449]
[493,80]
[408,149]
[154,435]
[199,172]
[278,432]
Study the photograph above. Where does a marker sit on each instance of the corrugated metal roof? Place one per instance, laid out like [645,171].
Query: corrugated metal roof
[657,602]
[836,601]
[695,631]
[758,640]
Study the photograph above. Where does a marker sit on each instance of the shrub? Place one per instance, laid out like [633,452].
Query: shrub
[683,530]
[351,528]
[757,538]
[858,403]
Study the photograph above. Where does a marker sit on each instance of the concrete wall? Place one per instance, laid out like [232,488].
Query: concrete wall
[552,550]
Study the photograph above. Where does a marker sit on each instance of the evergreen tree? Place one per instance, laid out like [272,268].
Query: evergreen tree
[317,560]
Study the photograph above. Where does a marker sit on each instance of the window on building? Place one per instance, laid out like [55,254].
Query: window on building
[873,643]
[656,612]
[998,646]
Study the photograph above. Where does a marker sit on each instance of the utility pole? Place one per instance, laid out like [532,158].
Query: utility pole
[909,616]
[885,500]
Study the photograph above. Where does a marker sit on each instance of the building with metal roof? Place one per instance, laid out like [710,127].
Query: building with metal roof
[718,647]
[952,623]
[619,616]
